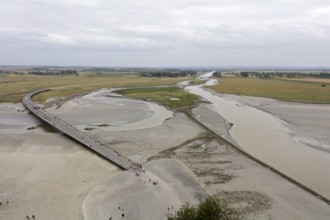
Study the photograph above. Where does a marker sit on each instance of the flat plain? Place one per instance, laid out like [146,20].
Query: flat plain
[14,87]
[307,91]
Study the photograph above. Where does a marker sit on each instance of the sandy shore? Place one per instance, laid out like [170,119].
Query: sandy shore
[164,187]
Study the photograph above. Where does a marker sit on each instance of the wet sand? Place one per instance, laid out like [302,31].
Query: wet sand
[267,138]
[111,113]
[43,174]
[48,175]
[244,184]
[137,197]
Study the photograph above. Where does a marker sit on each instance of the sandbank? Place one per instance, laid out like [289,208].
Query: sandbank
[111,113]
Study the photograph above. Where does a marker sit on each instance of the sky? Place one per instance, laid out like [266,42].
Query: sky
[165,33]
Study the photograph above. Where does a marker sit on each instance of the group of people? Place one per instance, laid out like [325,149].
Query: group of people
[136,167]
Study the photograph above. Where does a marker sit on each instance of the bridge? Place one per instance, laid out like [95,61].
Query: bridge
[95,145]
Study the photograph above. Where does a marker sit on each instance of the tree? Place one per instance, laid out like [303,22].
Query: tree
[244,74]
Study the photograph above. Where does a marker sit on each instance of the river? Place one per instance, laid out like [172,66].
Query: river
[268,139]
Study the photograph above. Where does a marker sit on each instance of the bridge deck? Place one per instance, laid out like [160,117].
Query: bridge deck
[93,144]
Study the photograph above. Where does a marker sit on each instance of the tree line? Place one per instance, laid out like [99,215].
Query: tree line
[323,75]
[168,74]
[52,73]
[217,74]
[42,73]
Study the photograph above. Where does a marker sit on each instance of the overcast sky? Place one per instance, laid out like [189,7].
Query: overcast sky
[165,32]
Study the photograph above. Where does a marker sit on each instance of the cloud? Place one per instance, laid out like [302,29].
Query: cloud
[172,25]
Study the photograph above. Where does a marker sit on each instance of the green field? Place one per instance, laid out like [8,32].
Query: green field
[285,90]
[170,96]
[14,87]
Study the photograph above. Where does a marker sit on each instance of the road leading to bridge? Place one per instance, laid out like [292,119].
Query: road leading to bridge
[66,128]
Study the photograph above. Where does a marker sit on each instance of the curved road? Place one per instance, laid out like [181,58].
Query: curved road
[93,144]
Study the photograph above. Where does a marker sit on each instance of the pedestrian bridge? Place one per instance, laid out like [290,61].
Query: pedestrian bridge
[95,145]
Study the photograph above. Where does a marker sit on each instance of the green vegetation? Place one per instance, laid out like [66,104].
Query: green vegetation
[89,129]
[208,209]
[103,125]
[14,87]
[286,74]
[197,82]
[168,73]
[171,96]
[285,90]
[52,73]
[106,73]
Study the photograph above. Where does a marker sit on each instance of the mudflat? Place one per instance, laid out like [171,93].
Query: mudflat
[48,175]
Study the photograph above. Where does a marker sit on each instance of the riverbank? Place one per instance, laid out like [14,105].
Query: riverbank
[268,139]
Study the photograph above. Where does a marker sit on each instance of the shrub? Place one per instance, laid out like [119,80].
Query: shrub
[208,209]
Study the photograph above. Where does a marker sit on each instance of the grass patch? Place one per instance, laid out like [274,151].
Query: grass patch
[285,90]
[14,87]
[44,127]
[103,125]
[170,96]
[89,129]
[197,82]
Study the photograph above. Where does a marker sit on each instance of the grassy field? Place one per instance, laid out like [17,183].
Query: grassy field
[14,87]
[311,80]
[170,96]
[285,90]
